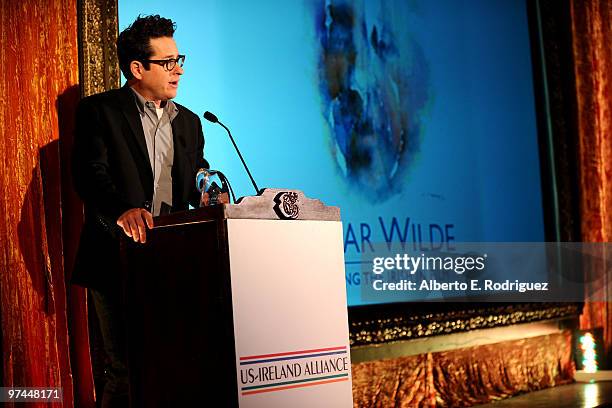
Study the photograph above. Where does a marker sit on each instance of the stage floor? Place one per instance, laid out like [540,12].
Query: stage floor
[577,395]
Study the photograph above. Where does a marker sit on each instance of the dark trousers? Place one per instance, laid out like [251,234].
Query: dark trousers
[111,315]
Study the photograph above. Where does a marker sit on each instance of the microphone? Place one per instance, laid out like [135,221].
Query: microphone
[211,117]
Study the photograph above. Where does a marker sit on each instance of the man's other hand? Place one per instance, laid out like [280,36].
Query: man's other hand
[135,222]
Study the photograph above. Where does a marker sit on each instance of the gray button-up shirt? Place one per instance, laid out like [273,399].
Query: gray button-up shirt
[157,126]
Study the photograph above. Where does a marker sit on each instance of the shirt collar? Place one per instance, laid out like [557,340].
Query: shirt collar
[168,106]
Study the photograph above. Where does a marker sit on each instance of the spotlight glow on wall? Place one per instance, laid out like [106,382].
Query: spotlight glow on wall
[589,356]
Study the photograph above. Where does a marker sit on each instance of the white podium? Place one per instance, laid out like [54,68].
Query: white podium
[260,317]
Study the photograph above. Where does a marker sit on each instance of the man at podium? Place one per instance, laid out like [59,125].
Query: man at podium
[136,155]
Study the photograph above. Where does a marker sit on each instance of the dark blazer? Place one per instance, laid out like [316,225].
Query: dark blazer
[112,174]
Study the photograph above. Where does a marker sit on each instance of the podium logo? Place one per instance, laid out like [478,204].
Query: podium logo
[293,369]
[286,207]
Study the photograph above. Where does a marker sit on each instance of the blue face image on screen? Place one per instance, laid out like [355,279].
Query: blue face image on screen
[416,118]
[374,84]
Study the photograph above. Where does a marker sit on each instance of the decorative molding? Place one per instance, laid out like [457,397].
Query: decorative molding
[98,31]
[369,327]
[269,205]
[98,72]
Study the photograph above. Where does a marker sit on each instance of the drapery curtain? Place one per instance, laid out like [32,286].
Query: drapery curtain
[592,51]
[38,84]
[465,377]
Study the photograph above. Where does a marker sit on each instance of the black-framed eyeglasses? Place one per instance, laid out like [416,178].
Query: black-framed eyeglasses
[169,63]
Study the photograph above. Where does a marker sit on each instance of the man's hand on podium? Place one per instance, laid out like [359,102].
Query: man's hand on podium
[135,222]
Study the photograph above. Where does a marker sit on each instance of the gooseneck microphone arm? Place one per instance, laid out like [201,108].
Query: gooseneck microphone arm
[212,118]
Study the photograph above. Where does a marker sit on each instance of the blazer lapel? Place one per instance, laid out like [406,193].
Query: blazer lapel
[130,111]
[178,167]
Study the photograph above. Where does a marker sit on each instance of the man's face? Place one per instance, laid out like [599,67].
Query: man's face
[157,83]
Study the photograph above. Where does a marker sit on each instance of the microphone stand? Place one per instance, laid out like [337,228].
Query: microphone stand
[213,118]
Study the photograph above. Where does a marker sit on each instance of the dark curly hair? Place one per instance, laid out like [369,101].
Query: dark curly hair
[134,43]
